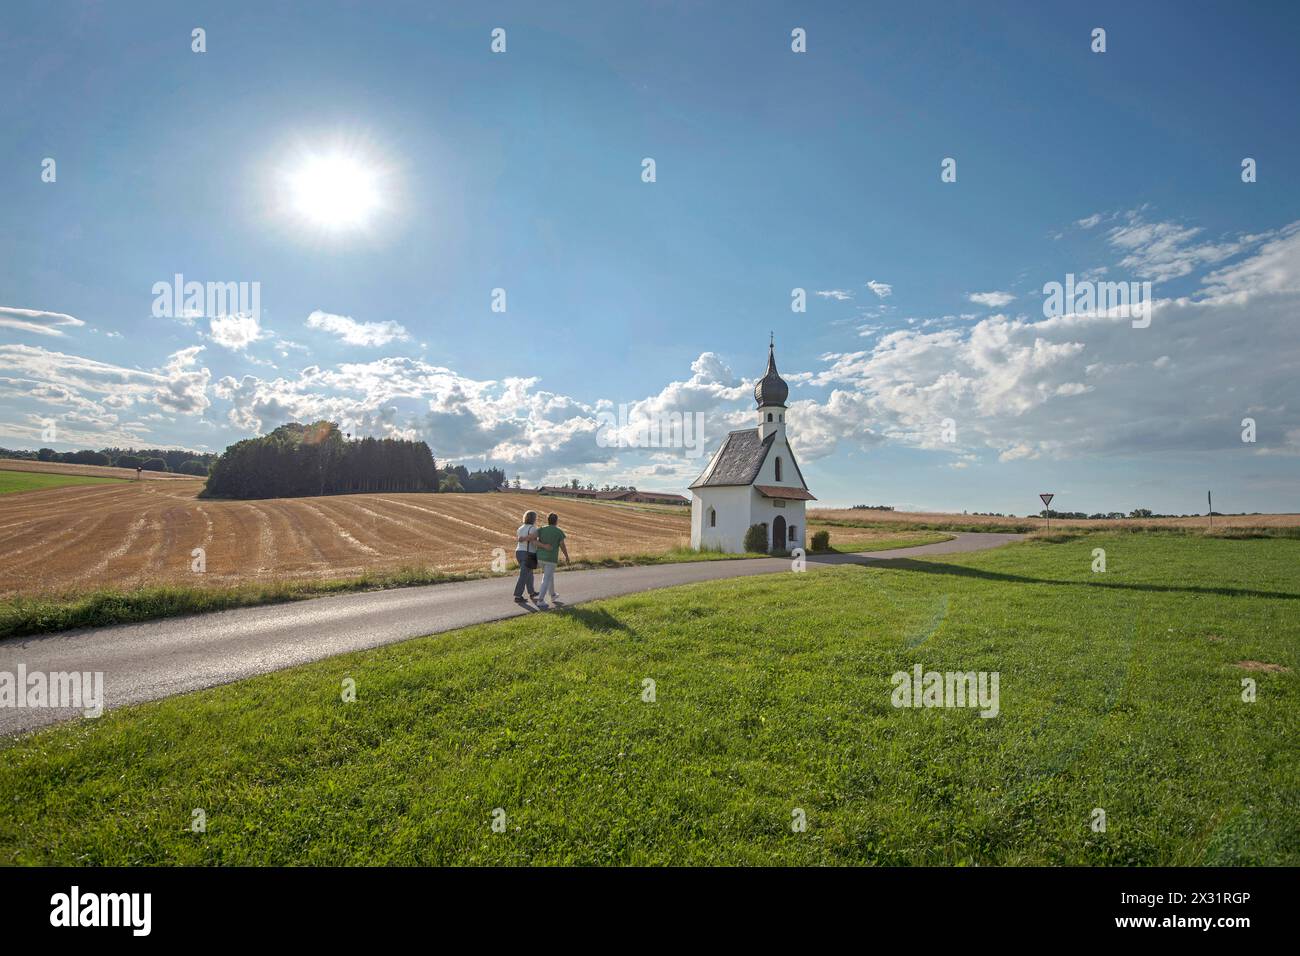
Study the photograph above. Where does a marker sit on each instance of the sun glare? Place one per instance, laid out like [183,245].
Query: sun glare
[334,191]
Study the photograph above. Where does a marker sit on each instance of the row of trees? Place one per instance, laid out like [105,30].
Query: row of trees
[150,459]
[173,459]
[296,459]
[1110,515]
[1114,515]
[460,478]
[300,460]
[577,485]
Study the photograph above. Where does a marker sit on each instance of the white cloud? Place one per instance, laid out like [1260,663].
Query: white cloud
[1161,251]
[994,300]
[882,289]
[839,295]
[1088,221]
[368,334]
[1272,270]
[235,332]
[1082,385]
[508,422]
[817,428]
[186,387]
[98,391]
[34,320]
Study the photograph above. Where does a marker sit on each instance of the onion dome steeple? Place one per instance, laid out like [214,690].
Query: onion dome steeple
[771,388]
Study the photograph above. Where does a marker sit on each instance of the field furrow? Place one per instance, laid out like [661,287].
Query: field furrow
[110,543]
[70,540]
[341,533]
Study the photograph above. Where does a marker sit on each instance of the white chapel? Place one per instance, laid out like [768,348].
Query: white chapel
[753,479]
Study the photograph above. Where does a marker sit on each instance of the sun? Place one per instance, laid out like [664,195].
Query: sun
[333,188]
[334,191]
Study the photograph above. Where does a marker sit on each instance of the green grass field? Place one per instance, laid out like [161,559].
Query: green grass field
[11,481]
[1118,690]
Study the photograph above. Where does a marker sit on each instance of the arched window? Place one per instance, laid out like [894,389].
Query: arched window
[781,417]
[769,416]
[713,518]
[778,467]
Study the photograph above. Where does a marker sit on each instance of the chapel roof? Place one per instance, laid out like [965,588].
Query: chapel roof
[739,459]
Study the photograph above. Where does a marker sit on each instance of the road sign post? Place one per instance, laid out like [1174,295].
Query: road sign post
[1047,497]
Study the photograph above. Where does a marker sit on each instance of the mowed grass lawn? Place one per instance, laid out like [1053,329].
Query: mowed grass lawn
[1118,690]
[11,481]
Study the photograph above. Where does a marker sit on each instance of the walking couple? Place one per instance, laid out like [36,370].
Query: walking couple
[535,545]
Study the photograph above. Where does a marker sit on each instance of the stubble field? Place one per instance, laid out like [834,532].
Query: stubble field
[140,534]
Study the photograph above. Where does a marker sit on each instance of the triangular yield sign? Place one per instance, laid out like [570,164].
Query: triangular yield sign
[1047,499]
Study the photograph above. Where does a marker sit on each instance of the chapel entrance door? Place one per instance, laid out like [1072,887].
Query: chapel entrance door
[778,534]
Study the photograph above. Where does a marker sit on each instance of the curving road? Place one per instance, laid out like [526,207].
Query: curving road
[147,661]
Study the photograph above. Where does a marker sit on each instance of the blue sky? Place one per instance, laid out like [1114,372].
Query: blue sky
[774,171]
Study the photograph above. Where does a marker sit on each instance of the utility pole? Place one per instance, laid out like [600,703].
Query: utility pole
[1209,499]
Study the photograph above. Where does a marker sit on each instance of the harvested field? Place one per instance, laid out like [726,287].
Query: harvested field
[142,533]
[75,539]
[87,471]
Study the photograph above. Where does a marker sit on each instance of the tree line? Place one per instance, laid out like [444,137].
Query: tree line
[577,485]
[296,460]
[460,478]
[181,461]
[299,460]
[1119,515]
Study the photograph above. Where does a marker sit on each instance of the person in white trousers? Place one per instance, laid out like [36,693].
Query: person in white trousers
[550,545]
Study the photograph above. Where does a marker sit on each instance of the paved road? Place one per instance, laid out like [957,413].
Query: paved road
[157,659]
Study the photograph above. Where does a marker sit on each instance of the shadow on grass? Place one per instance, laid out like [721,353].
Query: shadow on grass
[596,619]
[957,570]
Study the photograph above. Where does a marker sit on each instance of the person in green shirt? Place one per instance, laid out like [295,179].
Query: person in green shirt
[550,543]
